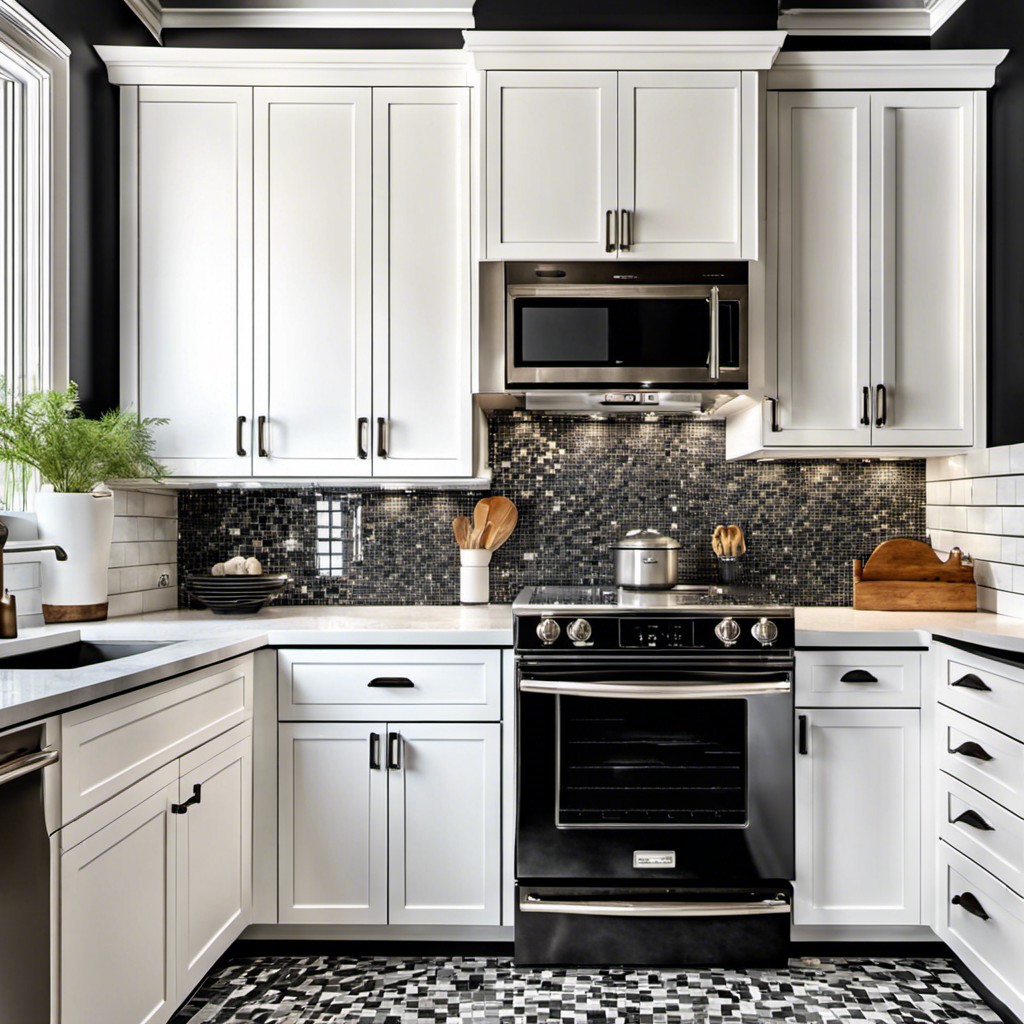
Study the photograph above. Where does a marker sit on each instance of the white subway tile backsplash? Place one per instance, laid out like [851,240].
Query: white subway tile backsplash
[144,550]
[982,512]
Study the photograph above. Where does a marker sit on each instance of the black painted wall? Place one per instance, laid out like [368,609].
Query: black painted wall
[1000,24]
[94,296]
[82,24]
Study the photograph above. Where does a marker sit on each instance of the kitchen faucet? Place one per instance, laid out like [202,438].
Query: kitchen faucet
[8,605]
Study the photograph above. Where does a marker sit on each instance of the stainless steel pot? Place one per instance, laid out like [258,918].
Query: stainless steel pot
[646,560]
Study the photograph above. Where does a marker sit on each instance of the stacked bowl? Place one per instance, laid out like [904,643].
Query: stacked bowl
[236,595]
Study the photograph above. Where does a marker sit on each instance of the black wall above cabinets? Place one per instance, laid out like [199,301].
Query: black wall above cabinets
[82,24]
[1000,23]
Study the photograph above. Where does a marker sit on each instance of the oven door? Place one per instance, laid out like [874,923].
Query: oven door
[596,336]
[660,771]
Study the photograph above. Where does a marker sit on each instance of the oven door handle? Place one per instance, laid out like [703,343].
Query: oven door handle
[667,690]
[626,908]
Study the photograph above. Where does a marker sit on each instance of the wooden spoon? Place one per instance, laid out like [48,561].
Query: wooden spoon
[503,519]
[461,528]
[718,541]
[480,516]
[736,544]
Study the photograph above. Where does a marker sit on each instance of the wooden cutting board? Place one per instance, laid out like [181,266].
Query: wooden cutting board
[907,575]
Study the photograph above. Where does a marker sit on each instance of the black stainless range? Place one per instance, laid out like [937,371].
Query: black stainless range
[655,776]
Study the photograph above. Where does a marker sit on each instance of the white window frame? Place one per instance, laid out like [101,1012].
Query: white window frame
[34,64]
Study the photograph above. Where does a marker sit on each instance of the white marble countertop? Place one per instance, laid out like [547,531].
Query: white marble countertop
[198,638]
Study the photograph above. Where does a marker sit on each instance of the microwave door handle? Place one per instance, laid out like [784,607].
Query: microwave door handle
[714,354]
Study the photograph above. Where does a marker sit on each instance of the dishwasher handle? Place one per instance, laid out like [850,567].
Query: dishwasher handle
[26,764]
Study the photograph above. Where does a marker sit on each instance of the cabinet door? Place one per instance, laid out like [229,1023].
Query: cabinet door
[214,839]
[821,210]
[923,251]
[118,916]
[683,174]
[444,809]
[551,163]
[193,352]
[422,384]
[858,818]
[313,296]
[333,829]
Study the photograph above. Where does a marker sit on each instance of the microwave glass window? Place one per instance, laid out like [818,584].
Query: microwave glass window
[651,762]
[598,332]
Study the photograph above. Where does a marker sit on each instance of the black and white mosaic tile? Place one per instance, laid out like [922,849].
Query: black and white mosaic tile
[378,990]
[579,484]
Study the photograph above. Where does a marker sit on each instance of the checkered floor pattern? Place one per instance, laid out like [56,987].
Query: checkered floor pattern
[391,990]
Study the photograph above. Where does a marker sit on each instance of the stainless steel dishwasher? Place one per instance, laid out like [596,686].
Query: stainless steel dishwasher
[29,796]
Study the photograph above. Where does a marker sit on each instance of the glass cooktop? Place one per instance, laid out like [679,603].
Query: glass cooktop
[684,598]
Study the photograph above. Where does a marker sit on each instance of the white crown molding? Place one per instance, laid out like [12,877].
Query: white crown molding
[623,51]
[920,19]
[149,14]
[157,15]
[148,65]
[886,69]
[14,17]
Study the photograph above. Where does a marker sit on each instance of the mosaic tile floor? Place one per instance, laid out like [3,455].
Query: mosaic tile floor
[384,990]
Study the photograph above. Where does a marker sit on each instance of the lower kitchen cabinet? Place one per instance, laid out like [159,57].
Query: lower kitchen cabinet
[156,883]
[117,961]
[390,823]
[858,817]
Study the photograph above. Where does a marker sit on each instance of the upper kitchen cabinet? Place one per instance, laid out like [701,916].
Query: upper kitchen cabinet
[875,263]
[642,148]
[297,263]
[186,287]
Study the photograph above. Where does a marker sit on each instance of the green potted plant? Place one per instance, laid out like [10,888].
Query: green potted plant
[73,455]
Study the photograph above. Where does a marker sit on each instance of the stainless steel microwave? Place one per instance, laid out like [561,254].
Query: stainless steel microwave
[593,326]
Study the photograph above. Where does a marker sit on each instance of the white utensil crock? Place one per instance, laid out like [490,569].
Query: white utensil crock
[475,576]
[83,525]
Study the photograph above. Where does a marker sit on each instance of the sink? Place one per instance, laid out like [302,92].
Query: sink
[78,654]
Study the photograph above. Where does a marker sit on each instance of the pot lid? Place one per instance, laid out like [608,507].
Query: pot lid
[645,540]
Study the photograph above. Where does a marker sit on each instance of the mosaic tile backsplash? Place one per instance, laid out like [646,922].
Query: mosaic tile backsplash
[579,485]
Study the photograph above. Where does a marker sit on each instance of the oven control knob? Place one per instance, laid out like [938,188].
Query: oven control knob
[548,630]
[579,631]
[728,631]
[765,632]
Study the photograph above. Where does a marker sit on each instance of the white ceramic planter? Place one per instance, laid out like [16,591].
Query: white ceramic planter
[83,525]
[475,576]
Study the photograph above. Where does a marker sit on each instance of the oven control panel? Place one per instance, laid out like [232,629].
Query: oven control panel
[720,632]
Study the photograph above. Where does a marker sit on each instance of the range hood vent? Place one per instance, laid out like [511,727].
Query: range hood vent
[619,403]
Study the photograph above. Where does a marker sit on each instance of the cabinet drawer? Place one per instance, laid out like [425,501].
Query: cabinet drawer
[992,948]
[983,758]
[984,689]
[108,746]
[370,685]
[983,830]
[858,679]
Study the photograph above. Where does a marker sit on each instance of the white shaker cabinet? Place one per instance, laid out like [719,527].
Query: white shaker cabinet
[617,164]
[187,292]
[858,817]
[313,281]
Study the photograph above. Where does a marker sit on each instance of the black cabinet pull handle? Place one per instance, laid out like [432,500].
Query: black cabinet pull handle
[394,751]
[801,734]
[971,682]
[195,798]
[611,239]
[881,405]
[392,682]
[975,820]
[261,438]
[239,447]
[382,448]
[774,402]
[375,751]
[865,407]
[858,675]
[362,425]
[972,749]
[969,902]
